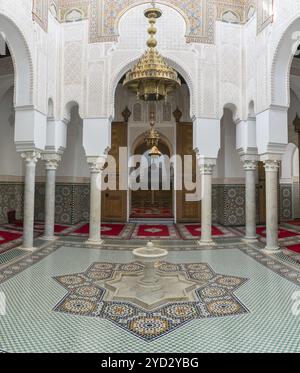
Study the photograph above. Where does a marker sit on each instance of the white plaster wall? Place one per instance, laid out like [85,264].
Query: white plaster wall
[74,164]
[229,165]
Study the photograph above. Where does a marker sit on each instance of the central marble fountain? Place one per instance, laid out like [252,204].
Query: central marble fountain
[151,288]
[149,256]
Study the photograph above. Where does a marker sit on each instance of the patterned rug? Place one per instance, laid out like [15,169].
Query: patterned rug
[294,222]
[155,232]
[38,227]
[295,248]
[193,231]
[88,296]
[151,212]
[282,233]
[113,230]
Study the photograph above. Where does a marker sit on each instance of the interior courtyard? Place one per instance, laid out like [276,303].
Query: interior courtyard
[143,213]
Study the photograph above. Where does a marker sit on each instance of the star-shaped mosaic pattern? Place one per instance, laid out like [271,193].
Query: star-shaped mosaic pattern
[214,297]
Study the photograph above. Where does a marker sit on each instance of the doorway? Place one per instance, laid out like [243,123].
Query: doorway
[154,199]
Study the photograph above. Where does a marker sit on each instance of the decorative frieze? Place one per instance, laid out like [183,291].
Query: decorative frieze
[200,17]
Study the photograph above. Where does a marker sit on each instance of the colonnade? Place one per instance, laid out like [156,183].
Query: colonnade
[206,167]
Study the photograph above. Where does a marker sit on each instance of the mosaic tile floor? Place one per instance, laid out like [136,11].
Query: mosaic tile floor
[32,324]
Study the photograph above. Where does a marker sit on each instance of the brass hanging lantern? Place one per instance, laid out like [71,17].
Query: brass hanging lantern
[152,79]
[152,136]
[154,152]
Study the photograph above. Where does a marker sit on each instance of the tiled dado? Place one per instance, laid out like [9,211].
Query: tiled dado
[229,204]
[286,202]
[72,203]
[11,198]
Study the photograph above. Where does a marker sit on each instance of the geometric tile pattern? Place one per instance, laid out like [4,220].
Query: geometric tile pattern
[25,262]
[214,298]
[286,203]
[31,326]
[272,263]
[72,203]
[11,198]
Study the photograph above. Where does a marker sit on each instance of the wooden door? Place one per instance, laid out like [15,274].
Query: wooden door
[186,211]
[114,202]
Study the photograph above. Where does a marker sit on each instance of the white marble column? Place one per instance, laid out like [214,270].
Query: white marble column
[96,165]
[271,168]
[31,158]
[51,164]
[250,167]
[206,170]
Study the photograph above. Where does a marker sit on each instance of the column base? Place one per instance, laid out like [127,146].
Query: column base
[250,239]
[271,250]
[45,238]
[207,243]
[94,242]
[29,249]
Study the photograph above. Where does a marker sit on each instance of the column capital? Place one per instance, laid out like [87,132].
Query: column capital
[96,164]
[271,165]
[250,165]
[206,165]
[51,160]
[31,156]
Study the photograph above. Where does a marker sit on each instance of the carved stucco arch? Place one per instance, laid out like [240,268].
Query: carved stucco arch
[234,110]
[22,61]
[127,65]
[282,62]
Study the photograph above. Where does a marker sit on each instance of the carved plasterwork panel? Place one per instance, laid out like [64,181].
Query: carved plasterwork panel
[264,14]
[40,12]
[200,17]
[76,5]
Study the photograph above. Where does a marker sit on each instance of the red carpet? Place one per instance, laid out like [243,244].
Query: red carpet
[282,233]
[195,230]
[6,237]
[295,248]
[106,229]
